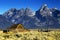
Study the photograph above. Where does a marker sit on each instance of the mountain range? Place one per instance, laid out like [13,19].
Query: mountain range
[43,18]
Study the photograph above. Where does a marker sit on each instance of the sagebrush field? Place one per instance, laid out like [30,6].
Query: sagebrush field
[31,35]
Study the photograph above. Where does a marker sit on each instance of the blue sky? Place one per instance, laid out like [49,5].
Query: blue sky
[33,4]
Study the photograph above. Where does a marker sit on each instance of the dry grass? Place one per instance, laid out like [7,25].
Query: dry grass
[31,35]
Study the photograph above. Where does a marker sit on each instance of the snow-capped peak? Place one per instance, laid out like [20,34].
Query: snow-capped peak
[55,8]
[44,7]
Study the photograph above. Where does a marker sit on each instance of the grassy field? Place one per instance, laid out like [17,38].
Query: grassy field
[31,35]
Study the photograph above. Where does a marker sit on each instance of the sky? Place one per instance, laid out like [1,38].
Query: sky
[32,4]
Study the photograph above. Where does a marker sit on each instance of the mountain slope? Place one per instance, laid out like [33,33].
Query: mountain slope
[42,18]
[49,17]
[4,23]
[22,16]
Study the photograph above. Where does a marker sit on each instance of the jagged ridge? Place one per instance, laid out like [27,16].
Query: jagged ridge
[43,18]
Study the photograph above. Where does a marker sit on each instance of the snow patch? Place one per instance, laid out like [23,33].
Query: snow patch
[13,20]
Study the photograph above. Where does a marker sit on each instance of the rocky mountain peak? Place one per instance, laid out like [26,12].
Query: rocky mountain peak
[45,11]
[41,18]
[12,9]
[43,7]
